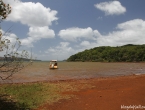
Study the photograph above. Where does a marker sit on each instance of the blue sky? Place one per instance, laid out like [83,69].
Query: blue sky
[56,29]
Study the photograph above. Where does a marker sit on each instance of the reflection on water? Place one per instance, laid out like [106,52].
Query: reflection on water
[40,71]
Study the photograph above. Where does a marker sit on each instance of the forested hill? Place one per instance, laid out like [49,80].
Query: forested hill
[126,53]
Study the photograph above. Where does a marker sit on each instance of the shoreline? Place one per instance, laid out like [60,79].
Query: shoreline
[89,93]
[79,79]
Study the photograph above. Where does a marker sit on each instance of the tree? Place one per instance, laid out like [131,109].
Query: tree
[126,53]
[12,61]
[5,9]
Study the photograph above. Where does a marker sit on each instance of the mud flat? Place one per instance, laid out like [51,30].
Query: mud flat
[117,93]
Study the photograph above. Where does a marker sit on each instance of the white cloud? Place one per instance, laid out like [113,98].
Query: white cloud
[75,33]
[13,44]
[37,33]
[10,36]
[32,14]
[130,32]
[135,24]
[61,51]
[27,42]
[63,47]
[96,33]
[111,8]
[85,43]
[41,32]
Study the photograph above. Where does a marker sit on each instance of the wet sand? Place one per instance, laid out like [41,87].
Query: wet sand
[105,94]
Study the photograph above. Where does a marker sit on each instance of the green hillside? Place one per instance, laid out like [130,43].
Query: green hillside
[126,53]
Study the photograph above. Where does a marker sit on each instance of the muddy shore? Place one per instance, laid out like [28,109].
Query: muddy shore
[113,93]
[114,86]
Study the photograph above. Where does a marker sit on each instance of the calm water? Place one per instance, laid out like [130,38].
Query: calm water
[40,71]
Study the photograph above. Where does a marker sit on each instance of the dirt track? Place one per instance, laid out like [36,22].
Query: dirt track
[105,94]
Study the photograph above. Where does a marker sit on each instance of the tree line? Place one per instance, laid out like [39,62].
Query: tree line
[126,53]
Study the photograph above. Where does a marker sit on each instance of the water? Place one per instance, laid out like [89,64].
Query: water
[40,71]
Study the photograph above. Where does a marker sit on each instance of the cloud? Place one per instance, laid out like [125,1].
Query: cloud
[60,52]
[75,33]
[41,32]
[34,15]
[63,47]
[37,33]
[85,43]
[10,36]
[31,14]
[129,32]
[136,24]
[13,44]
[111,8]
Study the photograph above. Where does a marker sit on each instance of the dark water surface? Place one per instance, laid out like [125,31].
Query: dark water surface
[40,71]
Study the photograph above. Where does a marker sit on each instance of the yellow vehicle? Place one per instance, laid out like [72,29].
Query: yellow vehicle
[53,64]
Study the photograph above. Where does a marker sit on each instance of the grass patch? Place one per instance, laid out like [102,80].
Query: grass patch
[31,95]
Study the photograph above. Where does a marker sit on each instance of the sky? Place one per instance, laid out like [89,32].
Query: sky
[57,29]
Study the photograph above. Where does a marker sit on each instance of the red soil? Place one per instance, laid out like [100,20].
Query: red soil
[106,94]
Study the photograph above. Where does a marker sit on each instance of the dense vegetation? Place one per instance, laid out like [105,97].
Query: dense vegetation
[126,53]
